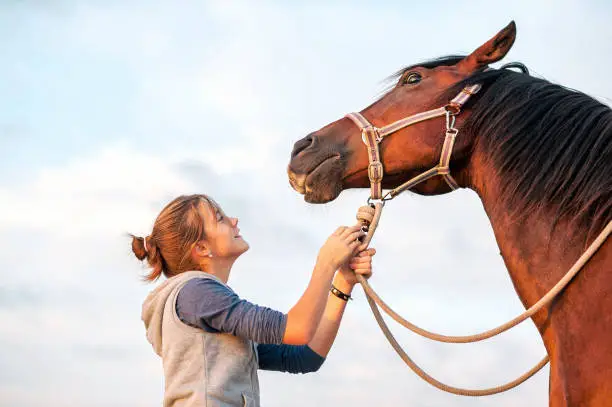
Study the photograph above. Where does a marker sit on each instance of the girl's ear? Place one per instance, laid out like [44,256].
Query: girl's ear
[200,250]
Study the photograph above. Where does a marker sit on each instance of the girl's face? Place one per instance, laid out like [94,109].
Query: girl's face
[222,233]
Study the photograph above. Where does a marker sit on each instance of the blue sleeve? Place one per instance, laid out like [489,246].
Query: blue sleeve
[289,358]
[207,304]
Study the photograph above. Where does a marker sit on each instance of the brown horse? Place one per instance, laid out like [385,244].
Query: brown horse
[540,158]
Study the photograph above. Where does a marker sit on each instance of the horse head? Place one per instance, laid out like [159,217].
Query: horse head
[333,158]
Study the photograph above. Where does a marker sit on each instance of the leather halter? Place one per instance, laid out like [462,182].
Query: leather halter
[372,136]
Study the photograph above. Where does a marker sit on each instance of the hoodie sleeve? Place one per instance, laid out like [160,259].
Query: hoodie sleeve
[289,358]
[209,305]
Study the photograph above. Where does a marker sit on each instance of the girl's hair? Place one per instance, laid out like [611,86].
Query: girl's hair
[177,228]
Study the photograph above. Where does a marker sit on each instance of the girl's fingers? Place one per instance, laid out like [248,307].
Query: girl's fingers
[369,252]
[349,230]
[363,272]
[352,231]
[338,232]
[353,245]
[354,265]
[354,236]
[359,260]
[365,255]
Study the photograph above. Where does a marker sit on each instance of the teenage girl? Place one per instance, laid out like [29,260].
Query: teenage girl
[210,340]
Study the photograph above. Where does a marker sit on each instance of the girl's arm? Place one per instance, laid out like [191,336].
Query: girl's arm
[326,333]
[303,319]
[309,358]
[344,281]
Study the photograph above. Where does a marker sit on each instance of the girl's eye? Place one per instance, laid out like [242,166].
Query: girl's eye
[412,78]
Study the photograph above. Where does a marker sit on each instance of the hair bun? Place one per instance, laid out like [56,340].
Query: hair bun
[139,247]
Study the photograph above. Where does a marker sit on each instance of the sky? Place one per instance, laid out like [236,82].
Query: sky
[110,109]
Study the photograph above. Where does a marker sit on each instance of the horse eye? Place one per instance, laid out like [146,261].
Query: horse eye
[412,78]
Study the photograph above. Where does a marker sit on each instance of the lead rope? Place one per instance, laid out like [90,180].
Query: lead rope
[368,217]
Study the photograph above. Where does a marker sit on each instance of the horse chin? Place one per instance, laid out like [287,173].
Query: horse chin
[323,193]
[323,185]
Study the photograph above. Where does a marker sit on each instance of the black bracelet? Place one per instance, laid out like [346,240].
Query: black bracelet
[340,294]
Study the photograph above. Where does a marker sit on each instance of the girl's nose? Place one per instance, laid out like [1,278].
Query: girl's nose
[234,222]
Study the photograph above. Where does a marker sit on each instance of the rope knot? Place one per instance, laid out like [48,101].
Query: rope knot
[365,215]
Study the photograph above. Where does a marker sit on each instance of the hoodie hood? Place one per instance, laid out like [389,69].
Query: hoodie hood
[155,303]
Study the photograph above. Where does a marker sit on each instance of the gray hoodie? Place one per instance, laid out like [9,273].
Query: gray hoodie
[201,369]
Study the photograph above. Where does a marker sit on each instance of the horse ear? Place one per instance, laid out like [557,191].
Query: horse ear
[491,51]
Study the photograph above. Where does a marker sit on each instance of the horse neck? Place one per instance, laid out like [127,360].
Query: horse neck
[536,254]
[579,323]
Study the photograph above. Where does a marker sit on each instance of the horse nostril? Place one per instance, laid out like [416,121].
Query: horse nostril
[302,145]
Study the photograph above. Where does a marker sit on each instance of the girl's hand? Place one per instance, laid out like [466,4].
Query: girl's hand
[340,246]
[360,264]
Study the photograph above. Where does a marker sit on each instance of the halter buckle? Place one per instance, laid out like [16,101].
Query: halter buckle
[452,132]
[375,171]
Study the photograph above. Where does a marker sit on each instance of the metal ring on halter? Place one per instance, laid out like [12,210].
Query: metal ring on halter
[450,121]
[376,130]
[382,200]
[386,197]
[453,109]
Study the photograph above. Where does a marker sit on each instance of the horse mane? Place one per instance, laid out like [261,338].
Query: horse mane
[551,145]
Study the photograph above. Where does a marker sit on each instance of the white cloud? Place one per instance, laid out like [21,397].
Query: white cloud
[92,194]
